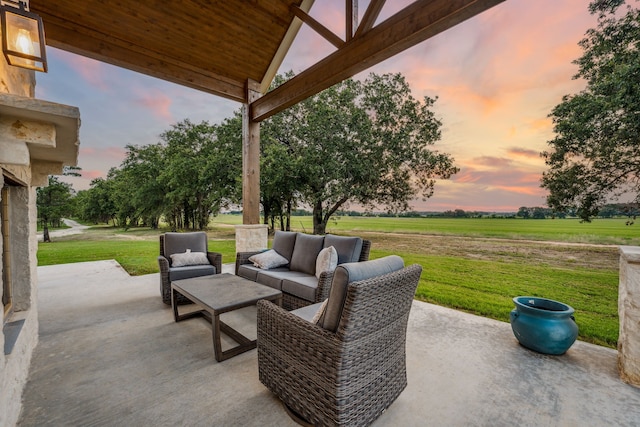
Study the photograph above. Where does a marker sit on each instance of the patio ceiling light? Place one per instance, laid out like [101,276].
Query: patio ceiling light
[22,36]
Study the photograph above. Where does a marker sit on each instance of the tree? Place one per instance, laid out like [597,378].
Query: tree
[595,155]
[53,201]
[201,170]
[363,142]
[97,203]
[523,212]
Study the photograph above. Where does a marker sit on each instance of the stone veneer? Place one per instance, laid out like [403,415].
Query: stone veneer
[251,237]
[14,367]
[37,138]
[629,312]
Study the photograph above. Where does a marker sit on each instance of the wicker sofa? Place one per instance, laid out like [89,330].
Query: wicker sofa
[298,281]
[342,362]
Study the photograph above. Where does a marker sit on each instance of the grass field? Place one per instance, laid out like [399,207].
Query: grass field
[599,231]
[475,265]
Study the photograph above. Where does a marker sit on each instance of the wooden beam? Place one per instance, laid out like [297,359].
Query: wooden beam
[250,159]
[414,24]
[286,43]
[318,27]
[352,18]
[370,16]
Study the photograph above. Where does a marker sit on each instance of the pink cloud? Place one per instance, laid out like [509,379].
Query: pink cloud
[101,155]
[93,174]
[90,70]
[157,102]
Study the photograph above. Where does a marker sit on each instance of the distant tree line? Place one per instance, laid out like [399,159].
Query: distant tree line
[366,142]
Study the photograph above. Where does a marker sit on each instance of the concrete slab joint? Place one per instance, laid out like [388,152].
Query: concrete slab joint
[629,314]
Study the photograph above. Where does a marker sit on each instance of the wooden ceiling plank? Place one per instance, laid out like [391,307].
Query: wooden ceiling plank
[317,27]
[414,24]
[370,16]
[64,32]
[132,60]
[184,33]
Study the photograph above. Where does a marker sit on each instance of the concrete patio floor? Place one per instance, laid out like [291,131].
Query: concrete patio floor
[110,354]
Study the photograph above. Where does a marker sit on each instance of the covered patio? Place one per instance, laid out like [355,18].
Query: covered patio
[110,353]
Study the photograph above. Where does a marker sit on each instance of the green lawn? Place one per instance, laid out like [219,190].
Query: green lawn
[136,256]
[470,279]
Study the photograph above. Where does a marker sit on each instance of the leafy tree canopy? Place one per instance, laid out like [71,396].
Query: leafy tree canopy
[364,142]
[54,202]
[595,155]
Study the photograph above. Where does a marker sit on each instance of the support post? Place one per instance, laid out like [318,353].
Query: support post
[629,313]
[251,235]
[250,159]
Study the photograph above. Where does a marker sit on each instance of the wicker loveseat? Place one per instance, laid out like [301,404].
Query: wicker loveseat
[349,365]
[298,281]
[180,243]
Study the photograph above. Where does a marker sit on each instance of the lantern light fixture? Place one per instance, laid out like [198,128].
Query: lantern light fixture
[23,42]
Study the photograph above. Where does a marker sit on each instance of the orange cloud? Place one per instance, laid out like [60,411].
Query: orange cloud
[523,152]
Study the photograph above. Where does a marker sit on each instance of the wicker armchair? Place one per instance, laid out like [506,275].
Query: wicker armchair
[173,243]
[346,376]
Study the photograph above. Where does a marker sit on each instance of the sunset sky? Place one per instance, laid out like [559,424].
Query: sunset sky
[497,77]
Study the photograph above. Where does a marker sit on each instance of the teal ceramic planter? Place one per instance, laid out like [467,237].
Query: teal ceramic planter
[543,325]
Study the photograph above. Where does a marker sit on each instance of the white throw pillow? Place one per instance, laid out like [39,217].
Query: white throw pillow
[320,312]
[327,260]
[268,259]
[189,258]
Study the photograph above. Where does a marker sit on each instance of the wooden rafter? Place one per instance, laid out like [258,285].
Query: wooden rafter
[351,18]
[414,24]
[317,26]
[370,16]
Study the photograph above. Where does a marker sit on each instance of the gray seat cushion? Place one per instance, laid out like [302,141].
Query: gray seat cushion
[179,273]
[303,286]
[249,271]
[348,248]
[307,312]
[272,278]
[284,242]
[305,253]
[175,243]
[354,272]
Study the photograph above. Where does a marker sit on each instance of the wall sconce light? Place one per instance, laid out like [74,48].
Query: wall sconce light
[22,36]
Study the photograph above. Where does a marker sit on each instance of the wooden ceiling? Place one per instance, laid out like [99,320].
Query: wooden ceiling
[214,46]
[224,46]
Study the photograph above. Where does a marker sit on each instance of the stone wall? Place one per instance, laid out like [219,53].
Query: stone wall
[629,312]
[14,367]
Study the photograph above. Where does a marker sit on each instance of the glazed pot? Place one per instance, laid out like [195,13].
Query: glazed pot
[543,325]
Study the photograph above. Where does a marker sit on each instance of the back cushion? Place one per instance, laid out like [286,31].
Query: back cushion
[348,248]
[179,242]
[354,272]
[305,253]
[283,243]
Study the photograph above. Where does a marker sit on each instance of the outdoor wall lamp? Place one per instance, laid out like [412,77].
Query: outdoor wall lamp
[22,36]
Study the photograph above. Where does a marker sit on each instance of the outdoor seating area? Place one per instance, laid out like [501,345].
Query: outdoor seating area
[298,265]
[110,353]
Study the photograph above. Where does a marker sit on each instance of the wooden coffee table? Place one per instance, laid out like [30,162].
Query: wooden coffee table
[217,294]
